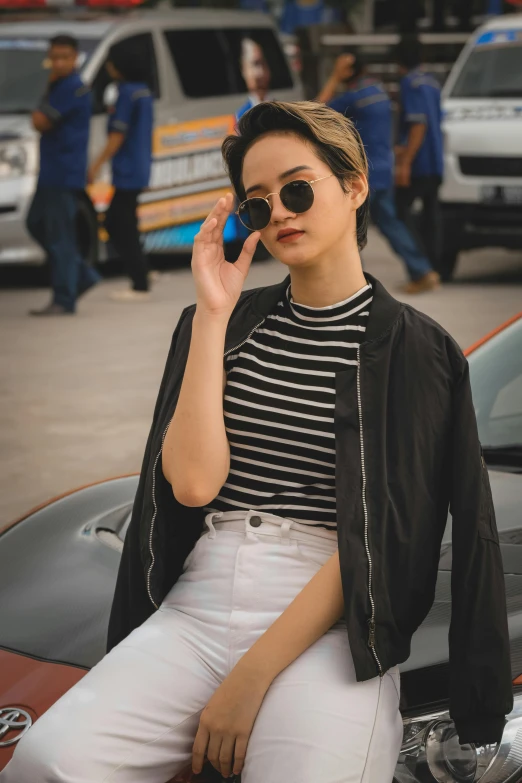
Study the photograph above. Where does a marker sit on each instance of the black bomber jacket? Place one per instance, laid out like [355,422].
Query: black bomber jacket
[407,449]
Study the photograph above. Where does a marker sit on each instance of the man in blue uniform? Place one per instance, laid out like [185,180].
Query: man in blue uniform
[62,119]
[367,104]
[129,146]
[420,153]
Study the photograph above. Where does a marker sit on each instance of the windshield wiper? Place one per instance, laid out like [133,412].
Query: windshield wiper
[507,454]
[516,92]
[16,110]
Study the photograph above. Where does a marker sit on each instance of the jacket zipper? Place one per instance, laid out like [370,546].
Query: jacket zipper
[371,621]
[155,513]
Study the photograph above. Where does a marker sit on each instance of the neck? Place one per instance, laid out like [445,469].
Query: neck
[329,281]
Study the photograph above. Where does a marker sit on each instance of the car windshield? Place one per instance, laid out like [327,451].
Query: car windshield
[492,70]
[23,75]
[496,382]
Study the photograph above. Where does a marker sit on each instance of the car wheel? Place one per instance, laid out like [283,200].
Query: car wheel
[87,231]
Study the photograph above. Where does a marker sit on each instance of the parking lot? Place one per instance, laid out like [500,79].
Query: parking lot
[77,394]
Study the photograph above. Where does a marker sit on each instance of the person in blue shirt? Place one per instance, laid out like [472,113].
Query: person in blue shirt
[129,147]
[367,104]
[420,151]
[62,118]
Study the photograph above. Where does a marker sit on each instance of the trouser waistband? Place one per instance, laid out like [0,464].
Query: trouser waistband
[262,522]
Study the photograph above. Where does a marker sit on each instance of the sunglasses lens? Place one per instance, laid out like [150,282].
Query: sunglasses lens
[297,196]
[254,213]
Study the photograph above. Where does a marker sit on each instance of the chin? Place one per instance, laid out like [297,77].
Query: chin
[293,256]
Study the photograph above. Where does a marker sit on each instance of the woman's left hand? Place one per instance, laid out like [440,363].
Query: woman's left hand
[227,721]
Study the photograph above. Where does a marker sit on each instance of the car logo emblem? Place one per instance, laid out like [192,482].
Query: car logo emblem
[13,721]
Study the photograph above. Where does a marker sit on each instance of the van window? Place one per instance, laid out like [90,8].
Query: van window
[23,75]
[145,45]
[491,72]
[219,72]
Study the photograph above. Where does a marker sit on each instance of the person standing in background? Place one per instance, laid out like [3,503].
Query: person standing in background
[256,74]
[419,156]
[62,118]
[366,103]
[129,147]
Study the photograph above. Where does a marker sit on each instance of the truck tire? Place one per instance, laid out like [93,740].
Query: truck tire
[87,230]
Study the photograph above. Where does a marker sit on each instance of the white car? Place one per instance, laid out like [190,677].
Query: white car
[481,193]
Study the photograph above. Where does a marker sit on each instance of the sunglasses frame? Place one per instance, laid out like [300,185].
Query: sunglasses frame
[276,193]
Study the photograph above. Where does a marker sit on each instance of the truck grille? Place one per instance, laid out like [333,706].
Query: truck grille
[490,167]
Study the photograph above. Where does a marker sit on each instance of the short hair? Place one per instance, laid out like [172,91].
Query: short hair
[334,137]
[409,51]
[62,39]
[127,58]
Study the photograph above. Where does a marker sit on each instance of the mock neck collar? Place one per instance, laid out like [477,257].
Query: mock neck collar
[384,311]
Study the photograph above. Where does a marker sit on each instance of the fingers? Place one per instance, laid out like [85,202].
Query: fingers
[245,257]
[212,227]
[224,212]
[199,748]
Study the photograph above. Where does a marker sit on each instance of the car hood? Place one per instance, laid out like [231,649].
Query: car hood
[58,571]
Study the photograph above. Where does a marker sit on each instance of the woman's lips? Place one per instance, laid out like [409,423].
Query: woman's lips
[290,237]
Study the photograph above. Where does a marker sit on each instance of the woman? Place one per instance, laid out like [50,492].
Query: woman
[290,509]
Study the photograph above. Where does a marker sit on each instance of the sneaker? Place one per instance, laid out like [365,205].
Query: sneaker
[52,309]
[130,295]
[427,282]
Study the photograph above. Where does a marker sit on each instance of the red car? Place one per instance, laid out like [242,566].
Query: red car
[58,569]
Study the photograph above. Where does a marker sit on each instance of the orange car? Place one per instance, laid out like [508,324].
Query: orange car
[58,569]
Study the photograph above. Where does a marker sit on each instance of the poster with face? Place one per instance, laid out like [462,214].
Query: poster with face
[254,68]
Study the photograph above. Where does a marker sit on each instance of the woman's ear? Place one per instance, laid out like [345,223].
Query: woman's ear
[359,190]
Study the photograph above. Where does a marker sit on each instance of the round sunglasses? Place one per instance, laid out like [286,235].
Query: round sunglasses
[296,196]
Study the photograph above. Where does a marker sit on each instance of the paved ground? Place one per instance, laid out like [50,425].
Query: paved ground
[76,395]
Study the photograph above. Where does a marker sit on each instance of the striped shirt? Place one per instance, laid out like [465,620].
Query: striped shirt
[279,405]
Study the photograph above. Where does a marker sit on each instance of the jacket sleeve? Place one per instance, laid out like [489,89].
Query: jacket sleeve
[131,605]
[481,692]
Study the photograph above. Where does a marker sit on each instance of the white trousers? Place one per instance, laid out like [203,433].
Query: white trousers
[135,715]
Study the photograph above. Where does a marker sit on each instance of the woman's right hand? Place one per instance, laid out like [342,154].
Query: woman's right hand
[218,282]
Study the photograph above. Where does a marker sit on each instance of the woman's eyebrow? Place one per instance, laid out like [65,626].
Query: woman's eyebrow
[281,177]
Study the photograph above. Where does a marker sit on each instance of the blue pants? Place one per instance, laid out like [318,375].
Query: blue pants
[384,215]
[51,221]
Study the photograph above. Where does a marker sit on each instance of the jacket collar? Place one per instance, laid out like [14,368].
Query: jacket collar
[383,313]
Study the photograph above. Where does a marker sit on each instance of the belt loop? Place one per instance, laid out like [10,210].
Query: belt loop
[248,530]
[209,520]
[285,531]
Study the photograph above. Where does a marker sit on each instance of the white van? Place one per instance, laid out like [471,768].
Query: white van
[482,103]
[193,64]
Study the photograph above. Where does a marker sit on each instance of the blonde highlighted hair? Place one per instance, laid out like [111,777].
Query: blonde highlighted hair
[334,137]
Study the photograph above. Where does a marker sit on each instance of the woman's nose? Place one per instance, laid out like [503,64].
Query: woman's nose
[279,211]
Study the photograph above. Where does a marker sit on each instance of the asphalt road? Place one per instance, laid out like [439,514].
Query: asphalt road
[77,394]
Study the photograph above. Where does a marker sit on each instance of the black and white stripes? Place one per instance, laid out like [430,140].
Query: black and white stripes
[279,409]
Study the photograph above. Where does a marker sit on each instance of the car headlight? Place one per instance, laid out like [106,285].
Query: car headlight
[431,752]
[16,159]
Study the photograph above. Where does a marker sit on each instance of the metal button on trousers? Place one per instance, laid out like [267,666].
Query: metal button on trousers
[134,716]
